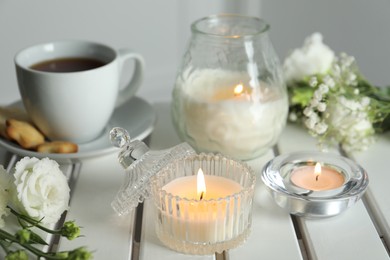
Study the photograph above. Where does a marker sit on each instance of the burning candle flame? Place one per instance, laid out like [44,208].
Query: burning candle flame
[317,170]
[201,184]
[238,89]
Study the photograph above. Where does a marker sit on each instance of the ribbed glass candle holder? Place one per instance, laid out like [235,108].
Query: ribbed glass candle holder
[216,220]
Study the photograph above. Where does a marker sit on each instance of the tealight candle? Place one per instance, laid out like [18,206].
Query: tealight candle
[317,178]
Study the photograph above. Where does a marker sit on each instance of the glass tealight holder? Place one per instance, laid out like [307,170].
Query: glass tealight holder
[203,222]
[296,186]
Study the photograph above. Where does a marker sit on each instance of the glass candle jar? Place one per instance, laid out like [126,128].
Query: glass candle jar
[203,204]
[229,95]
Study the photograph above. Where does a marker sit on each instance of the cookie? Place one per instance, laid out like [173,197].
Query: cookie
[24,133]
[57,147]
[8,113]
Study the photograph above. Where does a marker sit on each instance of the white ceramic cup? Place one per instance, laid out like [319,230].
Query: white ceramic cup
[75,106]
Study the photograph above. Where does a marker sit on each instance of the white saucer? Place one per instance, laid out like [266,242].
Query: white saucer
[136,116]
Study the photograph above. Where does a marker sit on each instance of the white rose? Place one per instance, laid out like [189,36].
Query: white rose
[5,183]
[41,189]
[313,58]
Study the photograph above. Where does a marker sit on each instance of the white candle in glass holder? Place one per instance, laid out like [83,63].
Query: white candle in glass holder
[203,213]
[219,118]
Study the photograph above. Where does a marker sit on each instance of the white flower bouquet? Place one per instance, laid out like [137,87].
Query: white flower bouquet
[329,95]
[37,194]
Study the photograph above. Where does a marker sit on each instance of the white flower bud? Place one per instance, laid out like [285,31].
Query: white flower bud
[321,107]
[313,82]
[310,123]
[328,80]
[318,95]
[336,70]
[323,88]
[352,76]
[321,128]
[314,102]
[308,111]
[365,101]
[293,117]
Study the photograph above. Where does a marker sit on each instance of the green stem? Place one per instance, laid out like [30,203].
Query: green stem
[5,248]
[5,236]
[33,222]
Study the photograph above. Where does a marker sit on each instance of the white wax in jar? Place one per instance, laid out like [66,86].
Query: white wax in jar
[209,220]
[242,126]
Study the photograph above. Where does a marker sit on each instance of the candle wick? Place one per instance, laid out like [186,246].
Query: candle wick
[317,177]
[201,196]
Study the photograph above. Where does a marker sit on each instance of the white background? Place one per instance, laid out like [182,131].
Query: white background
[160,30]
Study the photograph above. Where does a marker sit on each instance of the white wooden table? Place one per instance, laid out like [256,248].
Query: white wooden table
[362,232]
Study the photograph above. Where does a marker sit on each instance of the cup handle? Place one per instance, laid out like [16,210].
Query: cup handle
[134,84]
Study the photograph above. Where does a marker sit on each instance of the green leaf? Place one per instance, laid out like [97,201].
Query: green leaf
[80,253]
[383,93]
[301,96]
[36,239]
